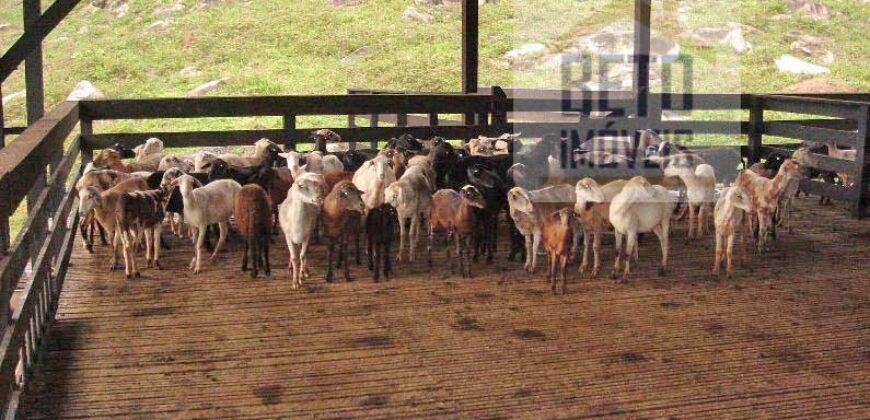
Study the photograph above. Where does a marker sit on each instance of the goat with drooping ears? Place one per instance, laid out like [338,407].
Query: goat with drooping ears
[452,213]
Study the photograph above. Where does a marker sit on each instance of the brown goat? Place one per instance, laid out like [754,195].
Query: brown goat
[557,234]
[452,212]
[101,179]
[141,211]
[342,210]
[253,214]
[104,205]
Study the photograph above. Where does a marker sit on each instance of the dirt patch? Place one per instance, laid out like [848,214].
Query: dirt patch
[376,341]
[467,324]
[269,394]
[374,401]
[670,305]
[523,393]
[631,357]
[714,328]
[169,310]
[484,296]
[530,334]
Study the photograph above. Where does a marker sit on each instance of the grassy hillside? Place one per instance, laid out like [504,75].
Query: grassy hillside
[281,47]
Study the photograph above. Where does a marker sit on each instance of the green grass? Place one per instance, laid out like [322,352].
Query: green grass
[274,47]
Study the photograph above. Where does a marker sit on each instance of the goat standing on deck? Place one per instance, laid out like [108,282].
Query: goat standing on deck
[380,229]
[204,206]
[342,210]
[765,194]
[557,235]
[452,212]
[253,214]
[298,216]
[142,211]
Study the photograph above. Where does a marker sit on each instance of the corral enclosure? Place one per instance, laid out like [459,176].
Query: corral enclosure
[65,347]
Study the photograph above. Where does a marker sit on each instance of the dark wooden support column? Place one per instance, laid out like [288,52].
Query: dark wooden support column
[862,165]
[86,129]
[469,50]
[2,121]
[756,129]
[642,16]
[289,128]
[33,65]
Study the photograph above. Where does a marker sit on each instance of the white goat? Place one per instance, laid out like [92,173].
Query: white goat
[729,217]
[169,162]
[700,182]
[298,216]
[411,196]
[261,148]
[372,178]
[639,208]
[210,204]
[202,159]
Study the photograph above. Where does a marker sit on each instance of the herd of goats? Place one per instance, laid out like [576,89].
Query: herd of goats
[337,196]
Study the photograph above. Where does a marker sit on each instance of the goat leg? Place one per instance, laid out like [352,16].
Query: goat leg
[388,268]
[245,244]
[564,274]
[267,266]
[330,253]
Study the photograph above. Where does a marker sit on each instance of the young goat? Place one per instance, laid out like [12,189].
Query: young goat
[342,210]
[380,230]
[765,194]
[639,208]
[298,216]
[105,207]
[728,218]
[452,212]
[557,232]
[204,206]
[835,152]
[411,196]
[700,182]
[141,212]
[593,210]
[524,210]
[253,214]
[102,180]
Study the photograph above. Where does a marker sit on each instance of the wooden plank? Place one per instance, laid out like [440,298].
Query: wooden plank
[19,51]
[31,152]
[810,133]
[821,162]
[33,65]
[824,189]
[289,128]
[470,28]
[813,106]
[280,105]
[246,137]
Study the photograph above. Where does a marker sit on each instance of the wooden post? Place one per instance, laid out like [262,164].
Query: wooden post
[2,121]
[642,13]
[374,123]
[33,65]
[862,165]
[469,51]
[469,45]
[499,113]
[86,129]
[756,129]
[289,128]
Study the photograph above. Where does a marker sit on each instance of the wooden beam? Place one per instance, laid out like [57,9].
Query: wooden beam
[33,65]
[813,106]
[470,27]
[756,129]
[796,130]
[640,85]
[280,105]
[31,39]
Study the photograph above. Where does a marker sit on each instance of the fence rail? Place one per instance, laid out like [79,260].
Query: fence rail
[36,167]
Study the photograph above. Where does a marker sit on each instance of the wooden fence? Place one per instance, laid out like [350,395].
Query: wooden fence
[38,167]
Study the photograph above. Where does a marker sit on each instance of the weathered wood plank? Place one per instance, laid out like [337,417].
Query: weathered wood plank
[813,106]
[281,105]
[470,40]
[796,130]
[821,162]
[33,64]
[825,189]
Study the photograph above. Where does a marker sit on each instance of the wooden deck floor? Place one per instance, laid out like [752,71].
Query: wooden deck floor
[788,337]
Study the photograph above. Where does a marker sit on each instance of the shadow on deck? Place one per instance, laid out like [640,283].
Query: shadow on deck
[787,336]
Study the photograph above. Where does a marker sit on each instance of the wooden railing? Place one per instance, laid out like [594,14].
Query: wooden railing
[847,128]
[35,167]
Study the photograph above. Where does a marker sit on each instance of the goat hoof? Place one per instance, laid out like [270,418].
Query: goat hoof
[128,276]
[137,275]
[614,275]
[157,265]
[330,278]
[662,272]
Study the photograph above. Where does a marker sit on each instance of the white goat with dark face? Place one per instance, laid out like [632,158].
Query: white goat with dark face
[298,216]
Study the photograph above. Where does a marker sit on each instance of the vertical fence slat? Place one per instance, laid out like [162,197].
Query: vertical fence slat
[374,123]
[86,128]
[33,65]
[289,127]
[756,129]
[862,165]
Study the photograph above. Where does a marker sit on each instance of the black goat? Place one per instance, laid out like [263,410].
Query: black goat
[381,225]
[125,152]
[492,188]
[406,142]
